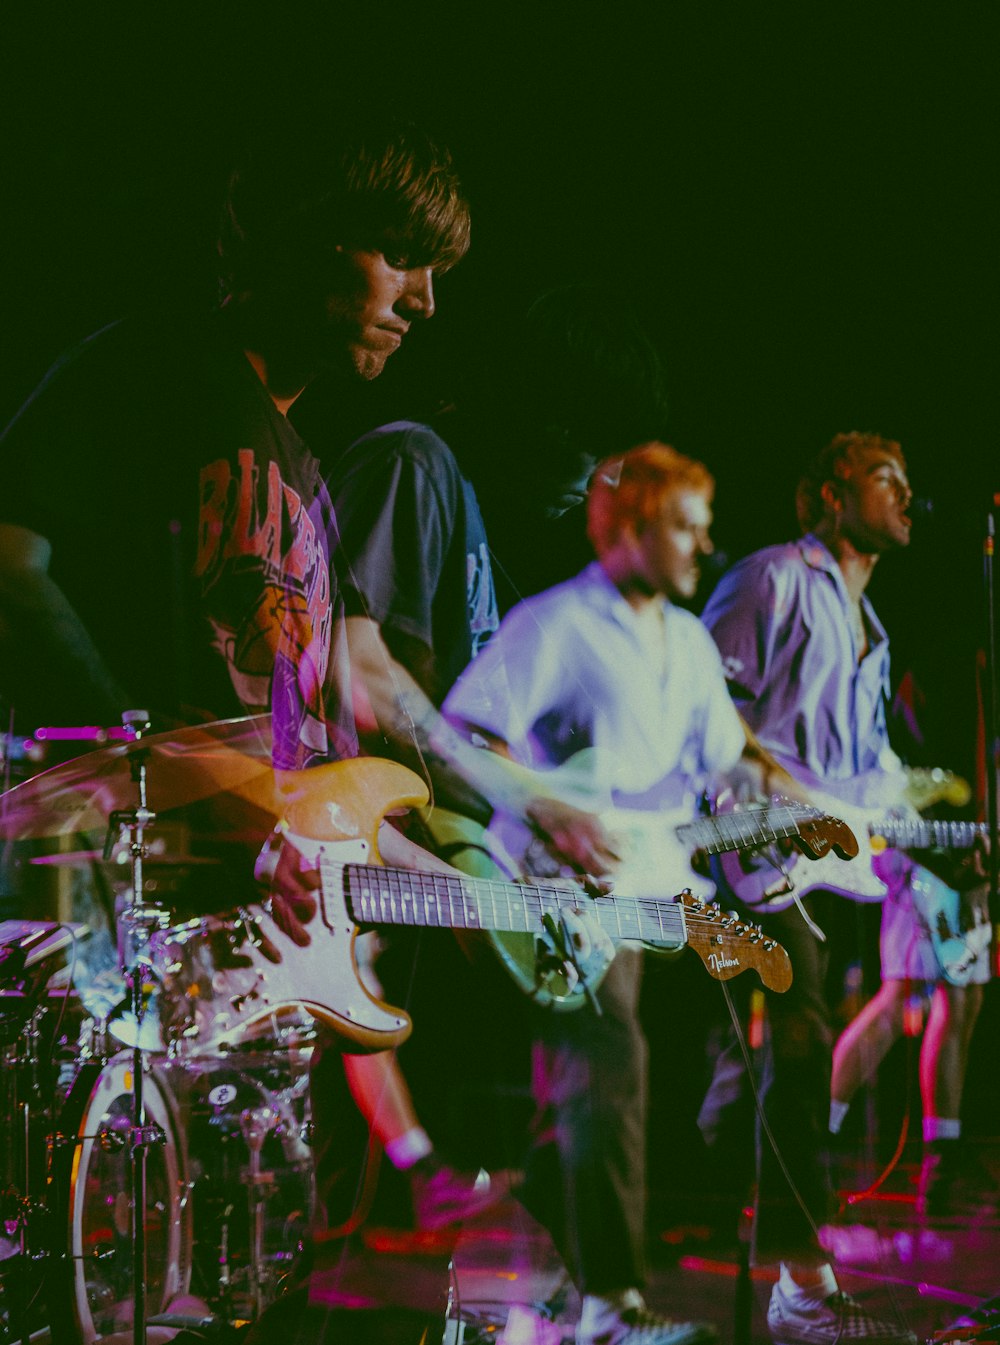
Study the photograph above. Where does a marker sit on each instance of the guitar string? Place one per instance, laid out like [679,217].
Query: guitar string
[484,889]
[652,908]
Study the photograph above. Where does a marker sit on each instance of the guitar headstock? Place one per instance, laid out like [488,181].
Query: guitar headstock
[926,786]
[728,945]
[818,835]
[817,832]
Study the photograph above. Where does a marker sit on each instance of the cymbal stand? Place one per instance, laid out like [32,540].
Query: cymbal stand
[19,1203]
[256,1123]
[136,925]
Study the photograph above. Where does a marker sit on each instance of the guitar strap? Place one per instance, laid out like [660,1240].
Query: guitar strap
[811,924]
[451,851]
[457,840]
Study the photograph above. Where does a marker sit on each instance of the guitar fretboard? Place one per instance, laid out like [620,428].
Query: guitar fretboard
[744,829]
[380,896]
[919,833]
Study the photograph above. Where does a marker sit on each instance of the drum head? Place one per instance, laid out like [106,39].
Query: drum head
[98,1208]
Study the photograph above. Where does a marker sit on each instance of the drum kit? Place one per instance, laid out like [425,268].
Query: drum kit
[155,1170]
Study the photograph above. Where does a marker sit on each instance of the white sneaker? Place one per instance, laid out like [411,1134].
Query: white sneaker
[830,1321]
[639,1326]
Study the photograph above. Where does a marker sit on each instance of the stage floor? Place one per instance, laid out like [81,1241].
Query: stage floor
[499,1278]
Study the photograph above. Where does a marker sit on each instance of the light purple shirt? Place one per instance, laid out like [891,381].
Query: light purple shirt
[782,623]
[574,674]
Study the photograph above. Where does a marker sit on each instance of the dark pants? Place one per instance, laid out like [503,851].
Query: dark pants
[586,1174]
[794,1085]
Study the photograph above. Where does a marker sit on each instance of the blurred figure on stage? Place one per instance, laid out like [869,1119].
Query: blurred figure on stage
[947,1001]
[575,376]
[614,693]
[807,662]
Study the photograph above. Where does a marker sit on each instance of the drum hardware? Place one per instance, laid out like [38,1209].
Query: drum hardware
[229,1185]
[27,1110]
[93,1275]
[26,943]
[256,1123]
[97,1161]
[209,991]
[30,1056]
[115,1134]
[94,1040]
[16,1214]
[135,928]
[253,1181]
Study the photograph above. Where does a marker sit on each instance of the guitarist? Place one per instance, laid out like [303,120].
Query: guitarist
[576,375]
[607,673]
[213,595]
[808,667]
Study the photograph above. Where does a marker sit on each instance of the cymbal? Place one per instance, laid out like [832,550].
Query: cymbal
[78,858]
[184,766]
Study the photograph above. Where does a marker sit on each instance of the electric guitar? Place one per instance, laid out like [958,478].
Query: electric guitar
[959,930]
[334,812]
[768,880]
[765,879]
[655,850]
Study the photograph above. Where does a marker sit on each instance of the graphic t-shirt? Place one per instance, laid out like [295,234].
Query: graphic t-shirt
[191,532]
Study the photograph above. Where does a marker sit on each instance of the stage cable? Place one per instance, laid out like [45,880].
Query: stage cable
[990,714]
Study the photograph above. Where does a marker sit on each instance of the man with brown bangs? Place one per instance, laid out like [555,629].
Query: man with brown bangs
[169,539]
[168,543]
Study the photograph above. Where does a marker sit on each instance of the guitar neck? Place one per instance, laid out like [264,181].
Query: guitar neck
[742,830]
[381,896]
[919,833]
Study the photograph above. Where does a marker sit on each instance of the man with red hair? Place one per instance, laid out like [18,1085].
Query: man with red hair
[606,674]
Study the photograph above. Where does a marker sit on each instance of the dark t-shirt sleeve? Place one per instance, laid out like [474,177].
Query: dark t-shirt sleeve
[396,502]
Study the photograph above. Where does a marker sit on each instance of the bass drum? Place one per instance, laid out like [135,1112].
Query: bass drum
[94,1179]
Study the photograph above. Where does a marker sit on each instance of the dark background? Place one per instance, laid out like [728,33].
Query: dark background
[798,199]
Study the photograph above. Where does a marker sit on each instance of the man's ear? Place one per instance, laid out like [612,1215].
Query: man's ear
[831,496]
[631,530]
